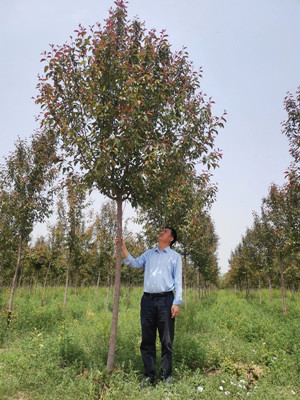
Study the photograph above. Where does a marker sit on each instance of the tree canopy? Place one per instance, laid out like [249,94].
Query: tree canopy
[126,108]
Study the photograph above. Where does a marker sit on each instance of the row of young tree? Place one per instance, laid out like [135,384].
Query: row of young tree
[269,252]
[79,247]
[123,114]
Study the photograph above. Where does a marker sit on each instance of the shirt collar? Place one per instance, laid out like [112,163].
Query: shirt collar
[165,250]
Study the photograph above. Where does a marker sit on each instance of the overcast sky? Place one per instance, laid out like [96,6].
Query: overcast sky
[250,55]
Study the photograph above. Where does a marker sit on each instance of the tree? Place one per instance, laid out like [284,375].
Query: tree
[264,240]
[202,246]
[106,230]
[128,111]
[76,195]
[26,176]
[7,230]
[291,128]
[282,210]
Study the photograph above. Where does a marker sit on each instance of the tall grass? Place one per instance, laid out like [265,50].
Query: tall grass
[225,347]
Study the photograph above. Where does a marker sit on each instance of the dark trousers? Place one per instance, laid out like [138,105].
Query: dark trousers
[156,315]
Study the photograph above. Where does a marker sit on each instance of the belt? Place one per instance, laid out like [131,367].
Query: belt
[163,294]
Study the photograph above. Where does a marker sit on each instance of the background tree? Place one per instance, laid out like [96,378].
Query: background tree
[274,239]
[128,112]
[75,196]
[282,209]
[202,247]
[26,176]
[7,232]
[57,241]
[265,244]
[106,231]
[38,260]
[291,128]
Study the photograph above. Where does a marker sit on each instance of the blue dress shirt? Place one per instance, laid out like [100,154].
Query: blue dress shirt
[162,271]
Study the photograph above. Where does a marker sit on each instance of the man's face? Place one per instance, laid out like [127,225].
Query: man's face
[165,236]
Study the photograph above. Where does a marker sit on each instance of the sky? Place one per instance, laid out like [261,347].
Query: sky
[250,56]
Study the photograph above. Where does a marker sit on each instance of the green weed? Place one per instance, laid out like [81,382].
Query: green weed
[225,347]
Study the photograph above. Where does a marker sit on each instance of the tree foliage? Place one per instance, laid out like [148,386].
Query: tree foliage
[126,108]
[291,128]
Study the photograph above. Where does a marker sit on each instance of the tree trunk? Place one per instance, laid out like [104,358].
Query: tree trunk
[76,280]
[30,282]
[195,286]
[117,290]
[270,293]
[184,282]
[10,306]
[259,288]
[99,277]
[129,288]
[198,285]
[107,288]
[36,281]
[20,279]
[283,291]
[1,266]
[247,287]
[45,282]
[67,281]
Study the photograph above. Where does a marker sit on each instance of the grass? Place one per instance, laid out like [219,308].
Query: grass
[225,347]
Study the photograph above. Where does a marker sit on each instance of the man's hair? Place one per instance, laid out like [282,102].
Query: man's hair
[173,234]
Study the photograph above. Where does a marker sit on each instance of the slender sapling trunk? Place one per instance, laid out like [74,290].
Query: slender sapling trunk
[270,293]
[117,290]
[11,299]
[283,291]
[45,283]
[67,281]
[184,282]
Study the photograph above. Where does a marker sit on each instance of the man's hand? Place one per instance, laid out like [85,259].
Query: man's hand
[124,249]
[175,310]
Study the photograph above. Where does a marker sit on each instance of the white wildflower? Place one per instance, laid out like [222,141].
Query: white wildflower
[221,388]
[233,384]
[293,392]
[200,389]
[242,381]
[222,381]
[227,393]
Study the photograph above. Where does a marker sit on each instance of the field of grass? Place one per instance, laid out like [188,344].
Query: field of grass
[226,347]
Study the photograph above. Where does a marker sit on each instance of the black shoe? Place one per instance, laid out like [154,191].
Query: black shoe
[146,382]
[168,381]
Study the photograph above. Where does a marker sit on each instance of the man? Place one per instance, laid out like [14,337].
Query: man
[159,307]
